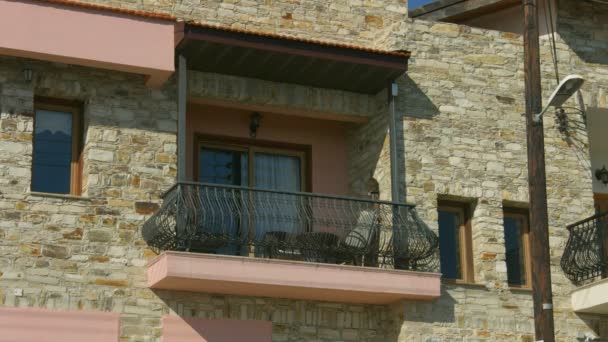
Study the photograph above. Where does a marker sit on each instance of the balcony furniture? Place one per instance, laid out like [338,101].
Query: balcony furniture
[359,242]
[318,246]
[315,228]
[586,254]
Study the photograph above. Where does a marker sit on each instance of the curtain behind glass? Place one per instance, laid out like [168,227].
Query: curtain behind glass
[277,212]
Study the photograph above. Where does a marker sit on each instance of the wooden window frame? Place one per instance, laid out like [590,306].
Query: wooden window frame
[76,110]
[518,213]
[463,210]
[253,146]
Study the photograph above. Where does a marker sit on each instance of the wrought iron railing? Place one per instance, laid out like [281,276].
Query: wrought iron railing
[221,219]
[586,253]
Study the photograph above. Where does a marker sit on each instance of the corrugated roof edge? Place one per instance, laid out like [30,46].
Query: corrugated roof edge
[399,53]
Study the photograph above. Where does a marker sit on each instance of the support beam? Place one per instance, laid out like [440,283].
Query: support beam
[182,92]
[537,181]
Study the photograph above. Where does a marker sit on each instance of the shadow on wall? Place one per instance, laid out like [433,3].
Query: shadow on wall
[582,25]
[369,153]
[414,102]
[597,324]
[205,317]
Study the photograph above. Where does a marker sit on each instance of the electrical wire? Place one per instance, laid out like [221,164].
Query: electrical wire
[551,31]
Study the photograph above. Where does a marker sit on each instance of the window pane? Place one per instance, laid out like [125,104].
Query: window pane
[52,152]
[516,269]
[449,244]
[277,172]
[223,167]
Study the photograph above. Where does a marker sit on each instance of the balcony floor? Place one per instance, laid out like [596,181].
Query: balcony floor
[222,274]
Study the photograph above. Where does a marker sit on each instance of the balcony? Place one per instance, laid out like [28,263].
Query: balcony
[585,262]
[238,240]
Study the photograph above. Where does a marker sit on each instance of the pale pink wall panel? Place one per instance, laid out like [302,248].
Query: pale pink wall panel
[37,325]
[86,37]
[182,329]
[327,139]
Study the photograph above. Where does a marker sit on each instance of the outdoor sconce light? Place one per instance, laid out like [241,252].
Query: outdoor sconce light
[602,175]
[28,74]
[254,124]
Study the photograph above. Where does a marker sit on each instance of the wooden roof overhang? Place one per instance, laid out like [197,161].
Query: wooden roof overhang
[287,59]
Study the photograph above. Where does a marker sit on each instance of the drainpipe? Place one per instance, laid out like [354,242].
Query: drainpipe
[400,238]
[182,91]
[393,89]
[182,85]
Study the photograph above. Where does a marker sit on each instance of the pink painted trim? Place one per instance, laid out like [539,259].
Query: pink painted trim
[182,329]
[35,325]
[288,279]
[87,37]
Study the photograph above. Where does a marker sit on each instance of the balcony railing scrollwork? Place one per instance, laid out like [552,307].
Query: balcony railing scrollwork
[586,253]
[223,219]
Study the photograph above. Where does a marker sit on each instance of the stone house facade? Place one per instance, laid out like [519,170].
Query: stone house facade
[460,139]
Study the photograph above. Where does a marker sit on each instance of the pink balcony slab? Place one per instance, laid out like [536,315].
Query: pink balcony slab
[288,279]
[35,325]
[88,37]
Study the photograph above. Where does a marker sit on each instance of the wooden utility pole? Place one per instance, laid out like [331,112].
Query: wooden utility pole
[537,182]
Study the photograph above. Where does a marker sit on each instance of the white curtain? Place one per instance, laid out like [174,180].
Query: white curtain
[277,212]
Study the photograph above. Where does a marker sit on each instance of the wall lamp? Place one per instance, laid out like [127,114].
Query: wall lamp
[566,88]
[602,175]
[254,124]
[28,74]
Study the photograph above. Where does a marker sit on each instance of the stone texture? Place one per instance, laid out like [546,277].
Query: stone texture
[461,136]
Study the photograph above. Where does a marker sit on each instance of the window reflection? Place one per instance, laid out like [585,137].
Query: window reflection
[52,152]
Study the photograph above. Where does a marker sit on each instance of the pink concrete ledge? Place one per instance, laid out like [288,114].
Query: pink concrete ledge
[88,37]
[36,325]
[288,279]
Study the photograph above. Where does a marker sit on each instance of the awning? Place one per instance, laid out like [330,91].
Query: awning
[288,59]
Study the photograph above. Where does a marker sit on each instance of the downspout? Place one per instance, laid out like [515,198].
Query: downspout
[182,242]
[393,90]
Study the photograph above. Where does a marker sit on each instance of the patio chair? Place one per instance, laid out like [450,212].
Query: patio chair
[358,242]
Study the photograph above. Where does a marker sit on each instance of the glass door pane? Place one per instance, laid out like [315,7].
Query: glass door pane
[221,221]
[218,166]
[278,214]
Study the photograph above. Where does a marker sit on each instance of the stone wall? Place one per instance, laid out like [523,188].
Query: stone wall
[461,106]
[342,21]
[459,110]
[87,253]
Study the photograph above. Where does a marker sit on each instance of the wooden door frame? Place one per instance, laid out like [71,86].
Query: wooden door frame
[251,146]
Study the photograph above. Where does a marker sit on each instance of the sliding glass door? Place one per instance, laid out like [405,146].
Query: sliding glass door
[252,215]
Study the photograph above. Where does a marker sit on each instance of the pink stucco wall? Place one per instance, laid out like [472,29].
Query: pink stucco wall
[87,37]
[187,329]
[36,325]
[326,138]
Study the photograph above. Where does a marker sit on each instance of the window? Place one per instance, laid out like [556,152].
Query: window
[258,164]
[264,167]
[455,241]
[517,246]
[57,147]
